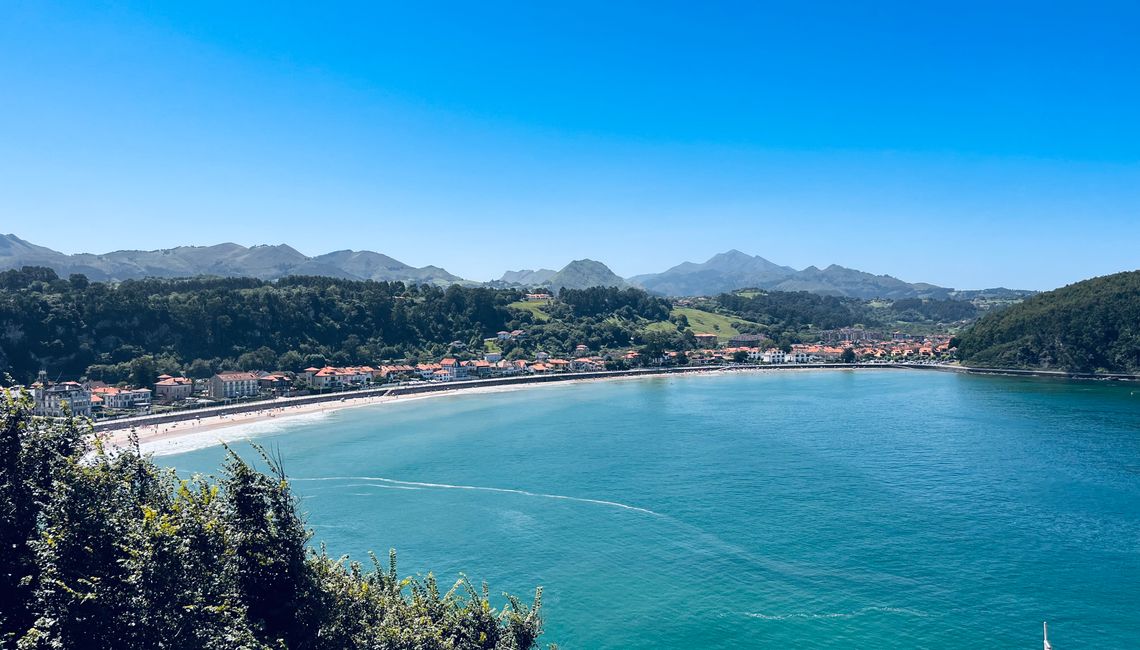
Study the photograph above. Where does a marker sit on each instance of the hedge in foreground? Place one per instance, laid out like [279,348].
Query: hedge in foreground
[102,550]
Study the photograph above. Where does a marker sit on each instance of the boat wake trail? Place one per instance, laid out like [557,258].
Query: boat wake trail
[478,488]
[815,616]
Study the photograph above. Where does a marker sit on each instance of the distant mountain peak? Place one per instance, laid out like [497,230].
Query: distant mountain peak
[528,277]
[265,261]
[733,269]
[583,274]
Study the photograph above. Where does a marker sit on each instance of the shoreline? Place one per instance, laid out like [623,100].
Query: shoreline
[170,433]
[176,432]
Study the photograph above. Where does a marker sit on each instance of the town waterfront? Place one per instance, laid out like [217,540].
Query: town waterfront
[814,509]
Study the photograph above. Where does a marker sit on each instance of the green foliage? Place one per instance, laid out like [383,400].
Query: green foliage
[628,303]
[789,312]
[112,551]
[706,322]
[68,327]
[1084,327]
[793,311]
[599,317]
[934,310]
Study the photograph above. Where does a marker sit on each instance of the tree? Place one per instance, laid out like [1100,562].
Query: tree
[262,358]
[31,457]
[143,371]
[200,369]
[106,550]
[291,360]
[848,356]
[740,356]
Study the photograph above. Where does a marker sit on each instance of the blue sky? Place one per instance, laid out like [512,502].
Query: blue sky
[963,144]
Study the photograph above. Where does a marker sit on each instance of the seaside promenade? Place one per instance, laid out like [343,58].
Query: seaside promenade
[425,388]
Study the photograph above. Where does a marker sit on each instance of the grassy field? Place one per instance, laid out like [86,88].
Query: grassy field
[703,322]
[533,307]
[699,321]
[661,326]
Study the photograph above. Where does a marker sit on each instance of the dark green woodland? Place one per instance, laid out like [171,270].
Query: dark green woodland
[109,551]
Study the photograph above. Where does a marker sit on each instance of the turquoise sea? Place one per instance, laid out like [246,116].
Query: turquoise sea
[806,509]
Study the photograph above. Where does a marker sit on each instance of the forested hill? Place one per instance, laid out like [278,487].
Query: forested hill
[135,329]
[72,326]
[132,331]
[1089,326]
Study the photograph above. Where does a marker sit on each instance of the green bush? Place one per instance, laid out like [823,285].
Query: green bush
[104,549]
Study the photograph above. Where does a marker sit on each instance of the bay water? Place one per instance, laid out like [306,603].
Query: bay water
[806,509]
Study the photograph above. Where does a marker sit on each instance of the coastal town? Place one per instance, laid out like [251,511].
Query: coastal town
[100,401]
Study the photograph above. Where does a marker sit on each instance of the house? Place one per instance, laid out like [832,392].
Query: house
[231,385]
[704,339]
[493,357]
[278,384]
[454,369]
[773,356]
[396,372]
[55,401]
[326,377]
[358,375]
[585,364]
[122,399]
[752,354]
[503,335]
[173,389]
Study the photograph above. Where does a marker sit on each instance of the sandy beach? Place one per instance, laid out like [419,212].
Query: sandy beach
[195,433]
[210,428]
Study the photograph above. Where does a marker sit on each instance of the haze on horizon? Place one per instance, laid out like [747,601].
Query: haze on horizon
[968,146]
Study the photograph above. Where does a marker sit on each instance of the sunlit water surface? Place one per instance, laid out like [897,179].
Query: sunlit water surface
[825,509]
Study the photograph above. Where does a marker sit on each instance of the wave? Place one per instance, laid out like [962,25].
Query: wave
[479,488]
[859,612]
[194,440]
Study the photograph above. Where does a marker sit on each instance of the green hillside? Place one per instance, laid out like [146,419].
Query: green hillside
[534,307]
[703,322]
[1089,326]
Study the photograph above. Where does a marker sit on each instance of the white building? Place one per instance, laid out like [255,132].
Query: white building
[230,385]
[173,389]
[59,400]
[124,399]
[774,356]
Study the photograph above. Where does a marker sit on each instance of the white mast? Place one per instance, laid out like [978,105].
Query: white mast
[1045,625]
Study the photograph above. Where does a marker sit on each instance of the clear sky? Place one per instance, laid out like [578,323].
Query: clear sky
[964,144]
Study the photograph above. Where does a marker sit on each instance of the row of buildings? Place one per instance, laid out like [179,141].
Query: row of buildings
[58,399]
[94,398]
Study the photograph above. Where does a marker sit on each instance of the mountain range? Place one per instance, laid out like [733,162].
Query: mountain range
[264,262]
[729,271]
[723,272]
